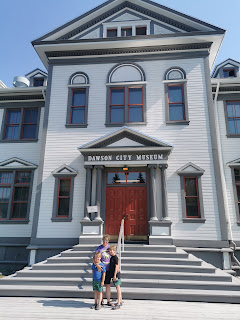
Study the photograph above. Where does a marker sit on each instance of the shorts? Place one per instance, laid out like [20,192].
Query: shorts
[107,278]
[117,283]
[97,286]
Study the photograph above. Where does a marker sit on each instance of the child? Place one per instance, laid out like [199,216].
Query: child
[115,275]
[98,280]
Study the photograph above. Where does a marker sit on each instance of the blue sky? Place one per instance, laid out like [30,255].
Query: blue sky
[23,21]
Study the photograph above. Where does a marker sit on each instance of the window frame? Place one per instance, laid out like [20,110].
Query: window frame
[197,174]
[37,79]
[230,135]
[126,86]
[229,69]
[234,167]
[118,25]
[199,215]
[75,87]
[61,176]
[9,219]
[176,82]
[22,107]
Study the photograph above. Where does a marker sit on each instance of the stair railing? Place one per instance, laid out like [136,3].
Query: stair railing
[120,244]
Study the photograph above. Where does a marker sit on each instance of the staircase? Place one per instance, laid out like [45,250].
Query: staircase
[148,272]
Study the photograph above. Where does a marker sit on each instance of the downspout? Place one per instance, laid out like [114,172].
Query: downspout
[232,244]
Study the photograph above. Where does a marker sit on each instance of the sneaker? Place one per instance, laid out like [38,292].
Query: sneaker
[98,307]
[102,303]
[110,304]
[94,306]
[117,306]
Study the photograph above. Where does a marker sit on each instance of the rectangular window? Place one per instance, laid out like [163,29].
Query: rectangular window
[78,106]
[191,197]
[126,177]
[21,124]
[176,102]
[126,104]
[5,190]
[233,113]
[141,31]
[111,33]
[237,181]
[64,191]
[38,82]
[126,32]
[229,73]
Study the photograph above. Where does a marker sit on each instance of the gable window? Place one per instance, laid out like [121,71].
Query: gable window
[233,118]
[77,109]
[15,194]
[191,193]
[20,124]
[229,73]
[176,97]
[126,32]
[141,31]
[63,193]
[38,82]
[126,102]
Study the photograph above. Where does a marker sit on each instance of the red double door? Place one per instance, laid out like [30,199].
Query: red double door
[128,202]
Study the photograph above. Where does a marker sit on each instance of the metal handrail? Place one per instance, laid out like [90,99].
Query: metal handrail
[120,245]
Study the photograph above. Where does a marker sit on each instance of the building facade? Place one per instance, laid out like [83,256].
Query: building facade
[126,124]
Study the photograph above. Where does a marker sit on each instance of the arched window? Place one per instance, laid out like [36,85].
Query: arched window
[126,95]
[176,96]
[78,91]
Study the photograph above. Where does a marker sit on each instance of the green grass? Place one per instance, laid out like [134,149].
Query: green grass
[1,276]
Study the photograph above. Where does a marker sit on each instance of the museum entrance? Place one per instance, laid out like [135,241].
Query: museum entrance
[126,197]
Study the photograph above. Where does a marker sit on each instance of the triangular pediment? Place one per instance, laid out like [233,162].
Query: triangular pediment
[16,163]
[64,170]
[121,10]
[234,163]
[190,168]
[125,138]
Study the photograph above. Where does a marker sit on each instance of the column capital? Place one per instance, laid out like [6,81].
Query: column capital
[88,167]
[154,166]
[99,167]
[163,166]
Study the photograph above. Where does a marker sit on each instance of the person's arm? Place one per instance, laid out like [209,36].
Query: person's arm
[103,279]
[116,270]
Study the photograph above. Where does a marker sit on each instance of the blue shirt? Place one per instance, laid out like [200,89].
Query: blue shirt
[97,276]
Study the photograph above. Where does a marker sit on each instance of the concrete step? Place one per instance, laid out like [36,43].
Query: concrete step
[128,293]
[126,267]
[187,276]
[134,260]
[136,283]
[131,247]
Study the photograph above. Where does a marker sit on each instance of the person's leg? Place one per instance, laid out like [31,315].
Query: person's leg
[119,296]
[95,300]
[99,298]
[108,292]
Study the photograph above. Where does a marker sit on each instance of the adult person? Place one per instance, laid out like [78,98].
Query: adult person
[105,259]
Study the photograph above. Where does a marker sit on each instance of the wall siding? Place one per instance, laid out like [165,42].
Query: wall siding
[191,143]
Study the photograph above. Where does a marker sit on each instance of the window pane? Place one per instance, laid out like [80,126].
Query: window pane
[238,125]
[78,98]
[21,193]
[37,82]
[175,93]
[4,194]
[192,207]
[29,131]
[238,193]
[135,114]
[141,31]
[23,210]
[117,96]
[11,132]
[6,177]
[176,112]
[13,116]
[126,32]
[117,114]
[23,177]
[111,33]
[232,126]
[30,116]
[3,210]
[136,177]
[16,210]
[237,175]
[78,115]
[237,109]
[64,190]
[230,109]
[63,207]
[190,187]
[135,96]
[116,177]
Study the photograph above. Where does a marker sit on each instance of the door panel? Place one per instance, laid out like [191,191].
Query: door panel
[131,201]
